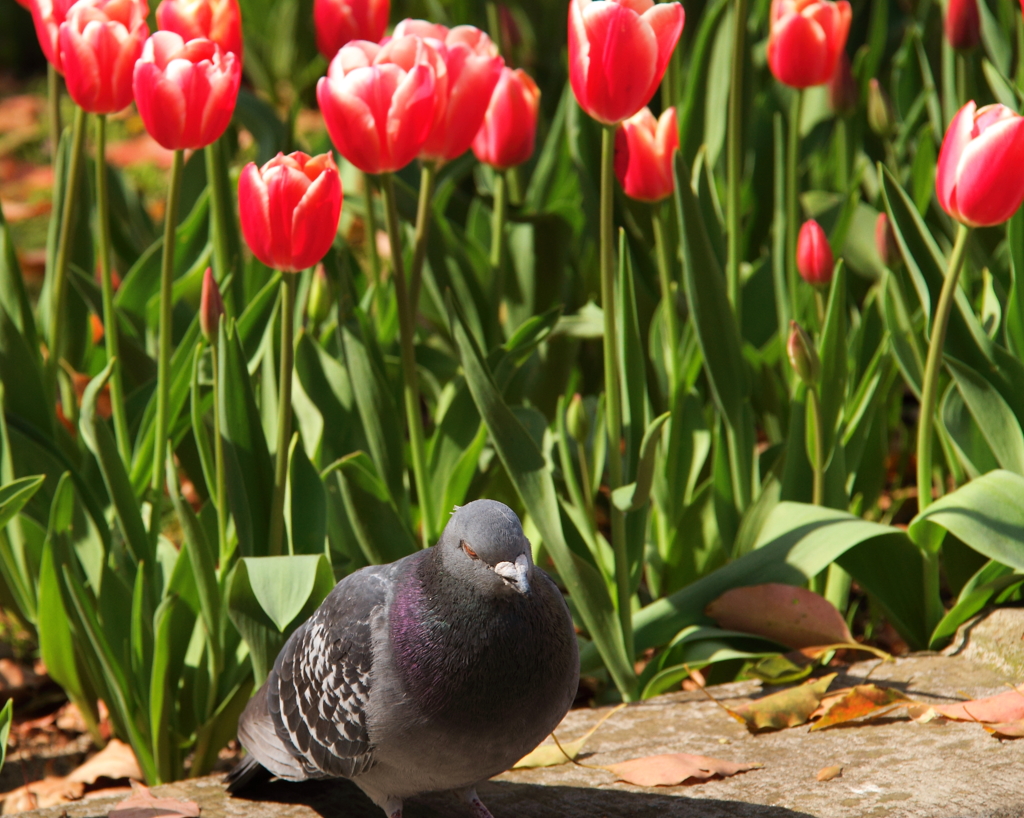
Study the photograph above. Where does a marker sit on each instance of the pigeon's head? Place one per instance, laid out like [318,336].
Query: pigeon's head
[484,544]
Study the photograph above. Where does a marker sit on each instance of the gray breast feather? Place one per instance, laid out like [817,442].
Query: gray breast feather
[319,689]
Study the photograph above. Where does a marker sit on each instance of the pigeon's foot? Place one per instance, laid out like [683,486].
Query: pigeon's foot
[471,798]
[392,807]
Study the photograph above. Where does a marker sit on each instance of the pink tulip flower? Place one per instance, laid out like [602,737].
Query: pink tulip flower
[963,24]
[805,40]
[506,137]
[813,254]
[338,22]
[644,147]
[217,20]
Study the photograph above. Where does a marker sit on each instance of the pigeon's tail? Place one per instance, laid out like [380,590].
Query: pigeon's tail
[246,773]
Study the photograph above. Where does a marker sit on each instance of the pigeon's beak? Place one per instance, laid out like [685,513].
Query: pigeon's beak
[516,574]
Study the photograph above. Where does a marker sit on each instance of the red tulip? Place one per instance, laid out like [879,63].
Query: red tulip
[99,43]
[813,255]
[467,67]
[211,307]
[217,20]
[185,92]
[506,137]
[338,22]
[805,40]
[618,52]
[963,24]
[377,114]
[885,241]
[289,209]
[47,15]
[644,147]
[980,175]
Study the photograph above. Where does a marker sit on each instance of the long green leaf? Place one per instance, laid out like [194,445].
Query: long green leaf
[993,416]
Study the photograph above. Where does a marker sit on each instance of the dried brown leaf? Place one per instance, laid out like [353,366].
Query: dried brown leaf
[116,760]
[861,701]
[792,616]
[1005,707]
[49,792]
[828,773]
[142,804]
[787,708]
[1007,729]
[561,752]
[672,769]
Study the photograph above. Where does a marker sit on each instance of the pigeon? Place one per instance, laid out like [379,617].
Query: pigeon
[434,672]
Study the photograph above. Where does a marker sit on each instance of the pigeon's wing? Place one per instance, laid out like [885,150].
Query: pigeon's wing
[319,688]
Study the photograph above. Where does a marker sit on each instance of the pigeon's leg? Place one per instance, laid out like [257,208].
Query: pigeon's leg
[471,798]
[392,807]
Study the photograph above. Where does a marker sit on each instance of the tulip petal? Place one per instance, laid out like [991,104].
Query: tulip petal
[315,220]
[624,53]
[666,21]
[350,123]
[410,116]
[990,174]
[470,90]
[254,213]
[798,52]
[958,135]
[161,104]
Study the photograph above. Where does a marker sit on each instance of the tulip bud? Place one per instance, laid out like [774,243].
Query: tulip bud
[885,241]
[217,20]
[842,88]
[99,43]
[618,52]
[980,175]
[805,40]
[339,22]
[813,254]
[803,357]
[881,117]
[185,92]
[963,24]
[320,297]
[507,135]
[211,307]
[644,147]
[289,209]
[576,420]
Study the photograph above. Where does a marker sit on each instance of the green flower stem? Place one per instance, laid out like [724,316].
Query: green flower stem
[163,376]
[371,240]
[818,460]
[498,217]
[284,412]
[220,211]
[792,196]
[611,385]
[53,104]
[410,389]
[933,363]
[60,264]
[668,294]
[110,328]
[220,489]
[734,158]
[428,176]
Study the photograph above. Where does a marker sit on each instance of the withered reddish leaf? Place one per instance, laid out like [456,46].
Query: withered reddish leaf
[787,708]
[672,769]
[1005,707]
[828,773]
[792,616]
[1007,729]
[861,701]
[116,760]
[142,804]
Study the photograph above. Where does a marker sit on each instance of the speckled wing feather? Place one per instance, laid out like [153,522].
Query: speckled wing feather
[319,688]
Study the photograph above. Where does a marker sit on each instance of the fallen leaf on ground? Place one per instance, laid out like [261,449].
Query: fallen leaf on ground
[1006,729]
[561,752]
[116,760]
[828,773]
[1005,707]
[142,804]
[49,792]
[787,708]
[792,616]
[673,769]
[781,669]
[861,701]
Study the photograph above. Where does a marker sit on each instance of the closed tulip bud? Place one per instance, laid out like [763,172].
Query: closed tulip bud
[217,20]
[885,241]
[803,357]
[576,420]
[466,66]
[99,43]
[289,209]
[813,254]
[185,92]
[963,24]
[378,114]
[47,17]
[338,22]
[805,40]
[881,117]
[980,176]
[842,88]
[320,298]
[211,307]
[506,137]
[618,52]
[644,147]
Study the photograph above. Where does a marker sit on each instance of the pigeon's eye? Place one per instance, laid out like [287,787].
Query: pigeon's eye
[469,551]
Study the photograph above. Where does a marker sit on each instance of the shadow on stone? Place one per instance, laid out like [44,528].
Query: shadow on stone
[337,799]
